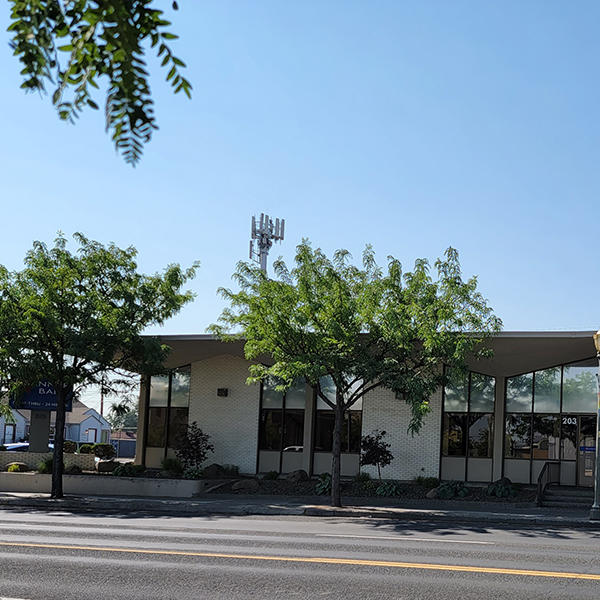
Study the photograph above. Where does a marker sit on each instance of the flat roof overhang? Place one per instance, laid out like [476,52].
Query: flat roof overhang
[515,352]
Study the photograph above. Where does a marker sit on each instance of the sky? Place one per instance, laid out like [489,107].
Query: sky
[412,126]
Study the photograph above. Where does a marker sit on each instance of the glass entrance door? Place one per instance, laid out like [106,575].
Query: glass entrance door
[586,450]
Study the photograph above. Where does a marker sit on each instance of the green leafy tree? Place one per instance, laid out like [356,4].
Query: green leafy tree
[74,45]
[363,327]
[76,319]
[375,451]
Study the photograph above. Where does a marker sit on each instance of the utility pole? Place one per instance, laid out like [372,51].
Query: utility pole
[264,233]
[595,511]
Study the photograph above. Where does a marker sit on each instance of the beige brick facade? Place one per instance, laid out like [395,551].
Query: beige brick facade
[232,421]
[413,456]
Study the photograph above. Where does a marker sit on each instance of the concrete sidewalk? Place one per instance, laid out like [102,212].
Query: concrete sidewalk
[236,505]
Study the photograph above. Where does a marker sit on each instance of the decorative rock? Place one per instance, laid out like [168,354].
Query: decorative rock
[297,476]
[432,493]
[106,466]
[22,466]
[213,471]
[246,485]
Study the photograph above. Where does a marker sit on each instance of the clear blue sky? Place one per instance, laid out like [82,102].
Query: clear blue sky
[410,125]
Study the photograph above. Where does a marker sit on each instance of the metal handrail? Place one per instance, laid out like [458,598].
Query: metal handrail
[550,473]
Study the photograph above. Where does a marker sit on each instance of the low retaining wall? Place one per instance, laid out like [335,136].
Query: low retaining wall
[103,485]
[33,459]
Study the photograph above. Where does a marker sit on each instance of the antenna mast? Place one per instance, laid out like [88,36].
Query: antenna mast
[264,233]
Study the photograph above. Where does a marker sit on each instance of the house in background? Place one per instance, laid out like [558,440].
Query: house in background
[14,432]
[83,424]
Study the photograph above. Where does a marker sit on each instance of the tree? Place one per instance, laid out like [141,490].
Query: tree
[192,447]
[123,415]
[375,451]
[75,44]
[76,319]
[362,327]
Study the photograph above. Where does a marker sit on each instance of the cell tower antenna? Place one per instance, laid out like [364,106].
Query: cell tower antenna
[264,232]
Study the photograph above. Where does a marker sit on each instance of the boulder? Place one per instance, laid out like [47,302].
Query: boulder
[297,476]
[106,466]
[21,465]
[213,471]
[433,493]
[246,485]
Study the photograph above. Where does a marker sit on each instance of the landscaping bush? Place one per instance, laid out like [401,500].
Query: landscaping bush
[172,465]
[374,451]
[2,448]
[388,488]
[129,470]
[193,447]
[45,466]
[73,470]
[452,489]
[17,468]
[503,488]
[193,473]
[271,475]
[323,485]
[362,477]
[86,449]
[69,447]
[427,482]
[104,451]
[231,470]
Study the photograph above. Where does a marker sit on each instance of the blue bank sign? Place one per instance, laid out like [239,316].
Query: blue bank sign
[40,397]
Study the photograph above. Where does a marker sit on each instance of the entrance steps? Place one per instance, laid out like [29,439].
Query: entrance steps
[565,496]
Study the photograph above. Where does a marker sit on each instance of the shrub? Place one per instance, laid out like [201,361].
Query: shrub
[17,468]
[374,451]
[172,465]
[129,470]
[231,470]
[323,485]
[73,470]
[361,477]
[271,475]
[86,449]
[104,451]
[502,488]
[193,473]
[45,466]
[193,447]
[2,448]
[69,447]
[427,482]
[388,488]
[452,489]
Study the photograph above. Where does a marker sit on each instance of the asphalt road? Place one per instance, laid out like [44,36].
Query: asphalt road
[63,556]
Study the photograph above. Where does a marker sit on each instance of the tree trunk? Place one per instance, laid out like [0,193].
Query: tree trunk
[59,439]
[336,498]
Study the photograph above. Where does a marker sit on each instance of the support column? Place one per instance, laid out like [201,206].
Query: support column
[499,428]
[39,431]
[140,443]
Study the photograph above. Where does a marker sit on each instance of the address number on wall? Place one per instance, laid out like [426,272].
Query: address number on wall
[569,421]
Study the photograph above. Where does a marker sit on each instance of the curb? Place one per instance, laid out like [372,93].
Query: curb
[191,508]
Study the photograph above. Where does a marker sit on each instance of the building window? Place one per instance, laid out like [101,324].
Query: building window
[517,443]
[468,417]
[168,408]
[282,418]
[579,388]
[325,422]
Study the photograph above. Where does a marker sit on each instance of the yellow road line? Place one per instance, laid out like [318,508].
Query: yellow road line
[319,560]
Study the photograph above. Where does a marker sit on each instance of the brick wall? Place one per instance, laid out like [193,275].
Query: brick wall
[232,421]
[413,456]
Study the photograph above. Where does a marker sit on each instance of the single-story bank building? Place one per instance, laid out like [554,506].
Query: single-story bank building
[533,402]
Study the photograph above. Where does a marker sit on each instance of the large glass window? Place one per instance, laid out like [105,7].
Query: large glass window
[547,391]
[519,393]
[169,399]
[568,441]
[579,388]
[468,421]
[517,443]
[546,437]
[282,418]
[325,420]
